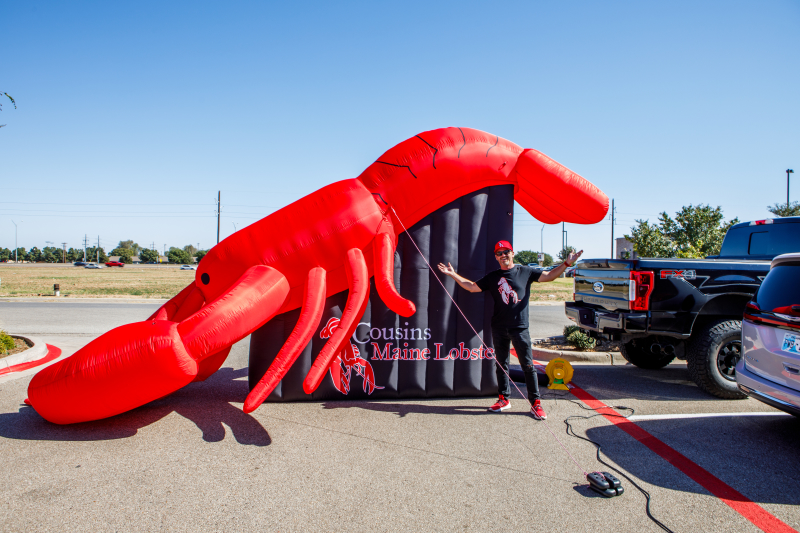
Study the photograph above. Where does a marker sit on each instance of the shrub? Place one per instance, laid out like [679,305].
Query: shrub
[569,329]
[581,341]
[6,342]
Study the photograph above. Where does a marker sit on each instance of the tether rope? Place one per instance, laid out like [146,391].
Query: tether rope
[574,460]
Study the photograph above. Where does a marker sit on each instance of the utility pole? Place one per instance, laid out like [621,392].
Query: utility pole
[64,255]
[85,243]
[98,249]
[219,196]
[563,231]
[612,228]
[788,171]
[541,238]
[16,245]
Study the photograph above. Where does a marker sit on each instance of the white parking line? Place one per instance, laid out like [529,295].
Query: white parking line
[701,415]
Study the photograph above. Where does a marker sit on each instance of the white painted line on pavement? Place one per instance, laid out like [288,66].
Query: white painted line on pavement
[700,415]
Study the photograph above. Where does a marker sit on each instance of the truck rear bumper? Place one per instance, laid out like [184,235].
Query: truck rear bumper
[605,321]
[613,322]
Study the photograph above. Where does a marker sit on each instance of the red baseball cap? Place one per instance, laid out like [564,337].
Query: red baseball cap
[503,245]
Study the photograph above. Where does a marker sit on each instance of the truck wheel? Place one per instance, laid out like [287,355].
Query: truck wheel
[637,352]
[711,358]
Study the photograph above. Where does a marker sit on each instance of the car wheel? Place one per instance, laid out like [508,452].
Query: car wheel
[712,356]
[638,353]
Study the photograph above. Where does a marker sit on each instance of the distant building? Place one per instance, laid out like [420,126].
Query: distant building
[625,249]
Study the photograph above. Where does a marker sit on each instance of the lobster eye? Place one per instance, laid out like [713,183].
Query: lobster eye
[204,278]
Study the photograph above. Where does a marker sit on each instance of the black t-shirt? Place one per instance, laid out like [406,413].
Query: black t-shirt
[511,291]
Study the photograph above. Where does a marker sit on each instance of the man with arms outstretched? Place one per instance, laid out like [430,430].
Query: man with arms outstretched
[510,287]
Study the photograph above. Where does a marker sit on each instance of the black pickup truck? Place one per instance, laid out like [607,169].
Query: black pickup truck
[691,309]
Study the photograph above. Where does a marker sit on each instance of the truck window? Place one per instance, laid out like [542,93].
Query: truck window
[759,243]
[785,239]
[736,242]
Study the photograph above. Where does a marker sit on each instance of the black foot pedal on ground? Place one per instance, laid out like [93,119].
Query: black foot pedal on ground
[605,484]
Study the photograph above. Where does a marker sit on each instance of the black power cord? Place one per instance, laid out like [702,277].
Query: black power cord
[571,432]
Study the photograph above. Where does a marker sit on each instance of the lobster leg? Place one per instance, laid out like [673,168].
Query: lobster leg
[313,304]
[358,284]
[383,250]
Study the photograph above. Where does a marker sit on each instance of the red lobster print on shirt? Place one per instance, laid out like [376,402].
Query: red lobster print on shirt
[342,365]
[507,292]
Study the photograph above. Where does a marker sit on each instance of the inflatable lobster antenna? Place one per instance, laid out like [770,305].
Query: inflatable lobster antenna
[332,240]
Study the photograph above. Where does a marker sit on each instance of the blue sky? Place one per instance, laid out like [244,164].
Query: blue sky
[130,116]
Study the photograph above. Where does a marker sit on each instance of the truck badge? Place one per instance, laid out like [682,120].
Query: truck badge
[684,274]
[597,287]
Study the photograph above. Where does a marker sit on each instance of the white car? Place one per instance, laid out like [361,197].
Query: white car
[188,267]
[94,265]
[768,365]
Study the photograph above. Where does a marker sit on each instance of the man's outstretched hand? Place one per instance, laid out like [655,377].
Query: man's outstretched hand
[448,270]
[573,257]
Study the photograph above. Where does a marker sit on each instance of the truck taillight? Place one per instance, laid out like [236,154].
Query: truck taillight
[761,222]
[641,286]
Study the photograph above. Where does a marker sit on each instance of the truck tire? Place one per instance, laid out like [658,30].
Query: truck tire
[711,358]
[637,352]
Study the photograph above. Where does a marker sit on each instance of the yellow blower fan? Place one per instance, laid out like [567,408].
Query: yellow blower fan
[560,373]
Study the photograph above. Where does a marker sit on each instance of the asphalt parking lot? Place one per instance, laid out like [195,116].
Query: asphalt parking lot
[195,461]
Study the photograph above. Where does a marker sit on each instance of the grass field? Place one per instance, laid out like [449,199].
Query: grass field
[559,290]
[113,282]
[154,282]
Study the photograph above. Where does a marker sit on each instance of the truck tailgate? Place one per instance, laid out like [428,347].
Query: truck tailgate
[604,283]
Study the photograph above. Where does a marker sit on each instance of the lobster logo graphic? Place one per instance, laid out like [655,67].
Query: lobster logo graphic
[342,366]
[507,292]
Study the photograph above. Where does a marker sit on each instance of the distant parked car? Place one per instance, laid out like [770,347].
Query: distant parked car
[93,265]
[79,263]
[188,267]
[769,367]
[115,264]
[570,272]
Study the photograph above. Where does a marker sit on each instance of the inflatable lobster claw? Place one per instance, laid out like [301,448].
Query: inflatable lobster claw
[334,239]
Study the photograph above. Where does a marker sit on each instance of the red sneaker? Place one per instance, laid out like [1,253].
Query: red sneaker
[501,405]
[537,411]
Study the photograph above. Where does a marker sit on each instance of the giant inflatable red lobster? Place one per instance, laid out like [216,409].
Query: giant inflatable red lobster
[331,240]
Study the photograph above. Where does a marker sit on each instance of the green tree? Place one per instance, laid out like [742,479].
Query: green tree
[178,256]
[12,103]
[124,254]
[129,245]
[563,254]
[696,231]
[199,254]
[148,256]
[648,241]
[783,210]
[6,254]
[92,254]
[74,254]
[191,250]
[526,257]
[51,254]
[20,254]
[34,255]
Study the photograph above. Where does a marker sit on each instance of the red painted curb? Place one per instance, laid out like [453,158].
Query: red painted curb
[750,510]
[53,352]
